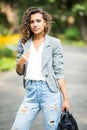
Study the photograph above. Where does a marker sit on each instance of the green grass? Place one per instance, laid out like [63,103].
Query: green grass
[78,43]
[7,63]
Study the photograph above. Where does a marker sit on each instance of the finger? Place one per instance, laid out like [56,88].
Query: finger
[63,108]
[26,53]
[68,108]
[26,56]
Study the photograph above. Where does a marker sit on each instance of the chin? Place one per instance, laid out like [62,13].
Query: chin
[37,33]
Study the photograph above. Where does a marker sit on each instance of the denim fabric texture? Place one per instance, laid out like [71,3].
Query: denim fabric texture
[39,97]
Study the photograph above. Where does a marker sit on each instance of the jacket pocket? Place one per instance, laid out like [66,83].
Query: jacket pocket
[56,82]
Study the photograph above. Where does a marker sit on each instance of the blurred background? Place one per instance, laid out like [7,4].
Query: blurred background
[69,24]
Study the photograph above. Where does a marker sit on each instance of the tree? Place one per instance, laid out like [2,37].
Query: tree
[80,13]
[61,10]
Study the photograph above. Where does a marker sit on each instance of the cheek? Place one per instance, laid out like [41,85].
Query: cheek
[43,25]
[31,27]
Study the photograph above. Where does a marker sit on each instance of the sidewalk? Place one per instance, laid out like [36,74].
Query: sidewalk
[12,92]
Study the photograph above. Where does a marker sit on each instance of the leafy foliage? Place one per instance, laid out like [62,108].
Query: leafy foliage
[60,11]
[72,33]
[6,52]
[7,63]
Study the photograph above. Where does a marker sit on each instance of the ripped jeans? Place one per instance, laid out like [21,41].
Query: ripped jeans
[38,97]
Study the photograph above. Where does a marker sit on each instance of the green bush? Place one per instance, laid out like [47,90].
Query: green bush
[7,63]
[72,33]
[4,30]
[5,52]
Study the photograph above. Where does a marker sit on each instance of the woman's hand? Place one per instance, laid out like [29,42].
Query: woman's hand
[20,64]
[65,105]
[24,58]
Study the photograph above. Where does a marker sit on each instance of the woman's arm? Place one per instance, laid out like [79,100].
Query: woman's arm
[20,67]
[21,62]
[58,65]
[21,58]
[62,85]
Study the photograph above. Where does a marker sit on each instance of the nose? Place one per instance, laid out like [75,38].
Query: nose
[35,24]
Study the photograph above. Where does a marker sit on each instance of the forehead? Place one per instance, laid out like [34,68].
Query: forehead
[36,16]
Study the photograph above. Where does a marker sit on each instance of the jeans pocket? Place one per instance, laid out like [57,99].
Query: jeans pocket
[30,85]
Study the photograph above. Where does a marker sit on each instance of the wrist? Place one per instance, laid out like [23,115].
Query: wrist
[20,61]
[66,99]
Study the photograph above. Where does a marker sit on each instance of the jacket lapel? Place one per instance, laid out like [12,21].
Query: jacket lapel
[47,51]
[26,46]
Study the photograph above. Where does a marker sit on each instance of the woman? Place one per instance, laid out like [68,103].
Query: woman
[40,61]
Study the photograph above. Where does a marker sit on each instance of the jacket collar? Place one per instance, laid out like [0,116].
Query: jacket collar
[26,46]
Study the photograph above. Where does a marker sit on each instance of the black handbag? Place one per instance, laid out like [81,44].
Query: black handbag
[67,122]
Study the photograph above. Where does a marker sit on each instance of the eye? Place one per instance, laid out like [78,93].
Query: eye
[38,20]
[31,21]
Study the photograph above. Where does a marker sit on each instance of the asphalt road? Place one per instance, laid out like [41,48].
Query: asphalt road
[12,92]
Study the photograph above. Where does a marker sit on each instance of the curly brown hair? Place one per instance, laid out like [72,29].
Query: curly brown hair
[25,31]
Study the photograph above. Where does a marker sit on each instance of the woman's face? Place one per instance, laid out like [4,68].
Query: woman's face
[37,23]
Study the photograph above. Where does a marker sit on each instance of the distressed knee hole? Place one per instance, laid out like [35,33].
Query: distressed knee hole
[24,110]
[52,122]
[54,107]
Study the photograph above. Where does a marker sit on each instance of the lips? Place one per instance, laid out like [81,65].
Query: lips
[36,29]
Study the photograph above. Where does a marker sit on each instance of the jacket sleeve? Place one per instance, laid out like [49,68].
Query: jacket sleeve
[58,63]
[19,50]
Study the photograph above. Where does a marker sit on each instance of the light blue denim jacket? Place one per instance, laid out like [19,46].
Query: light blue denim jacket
[52,60]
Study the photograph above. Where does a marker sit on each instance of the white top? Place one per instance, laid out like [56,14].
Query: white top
[34,68]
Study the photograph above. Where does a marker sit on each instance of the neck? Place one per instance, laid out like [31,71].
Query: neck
[38,36]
